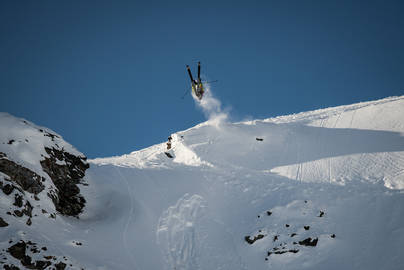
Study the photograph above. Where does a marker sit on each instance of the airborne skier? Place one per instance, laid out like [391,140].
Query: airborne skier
[197,86]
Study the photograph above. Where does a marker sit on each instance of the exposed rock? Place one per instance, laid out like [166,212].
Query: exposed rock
[25,178]
[251,241]
[269,213]
[168,155]
[50,135]
[7,189]
[11,267]
[60,266]
[17,200]
[278,252]
[28,209]
[67,200]
[42,264]
[18,250]
[18,213]
[3,223]
[306,228]
[309,242]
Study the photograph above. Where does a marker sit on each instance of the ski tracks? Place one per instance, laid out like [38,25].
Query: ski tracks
[192,237]
[177,232]
[128,220]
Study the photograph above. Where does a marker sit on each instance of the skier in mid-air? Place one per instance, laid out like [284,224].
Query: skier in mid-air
[197,86]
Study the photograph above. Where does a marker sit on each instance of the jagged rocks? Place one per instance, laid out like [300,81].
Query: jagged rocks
[255,238]
[3,223]
[309,242]
[66,171]
[60,266]
[11,267]
[18,250]
[23,251]
[25,178]
[291,234]
[7,189]
[18,200]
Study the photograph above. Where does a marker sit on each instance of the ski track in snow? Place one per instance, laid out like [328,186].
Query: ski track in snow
[124,235]
[178,233]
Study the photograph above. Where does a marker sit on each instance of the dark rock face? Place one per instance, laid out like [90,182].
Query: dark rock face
[309,242]
[11,267]
[3,223]
[25,178]
[251,241]
[19,252]
[17,200]
[7,189]
[60,266]
[67,200]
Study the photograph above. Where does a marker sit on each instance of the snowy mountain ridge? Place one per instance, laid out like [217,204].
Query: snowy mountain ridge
[314,190]
[342,124]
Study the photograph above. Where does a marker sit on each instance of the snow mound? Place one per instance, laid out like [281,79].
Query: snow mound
[156,156]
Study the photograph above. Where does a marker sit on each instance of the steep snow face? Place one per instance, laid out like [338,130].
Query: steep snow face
[315,190]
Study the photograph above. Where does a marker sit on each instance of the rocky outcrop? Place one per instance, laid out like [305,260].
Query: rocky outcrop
[25,178]
[66,172]
[24,252]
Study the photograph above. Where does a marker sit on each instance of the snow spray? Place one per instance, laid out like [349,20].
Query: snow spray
[211,107]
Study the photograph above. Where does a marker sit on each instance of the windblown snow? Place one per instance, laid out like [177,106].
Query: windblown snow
[315,190]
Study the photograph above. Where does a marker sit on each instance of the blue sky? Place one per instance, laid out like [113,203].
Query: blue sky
[109,75]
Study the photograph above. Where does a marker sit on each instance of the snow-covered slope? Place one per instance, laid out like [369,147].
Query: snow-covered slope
[236,194]
[315,190]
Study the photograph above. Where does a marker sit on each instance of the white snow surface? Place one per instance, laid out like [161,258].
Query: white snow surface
[339,171]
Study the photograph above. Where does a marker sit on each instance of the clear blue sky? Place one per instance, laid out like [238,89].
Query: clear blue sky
[108,75]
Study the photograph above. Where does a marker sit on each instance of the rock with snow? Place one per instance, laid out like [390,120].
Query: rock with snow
[40,175]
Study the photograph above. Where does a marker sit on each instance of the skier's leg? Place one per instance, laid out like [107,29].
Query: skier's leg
[199,72]
[190,74]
